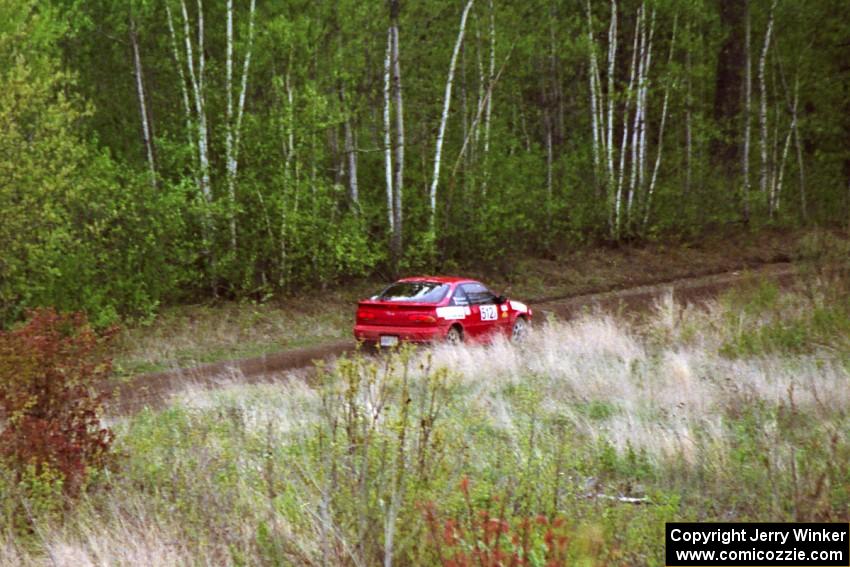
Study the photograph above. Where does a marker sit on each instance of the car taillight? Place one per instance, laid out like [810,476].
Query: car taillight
[365,315]
[422,319]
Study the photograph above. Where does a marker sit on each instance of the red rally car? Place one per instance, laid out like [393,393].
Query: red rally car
[429,309]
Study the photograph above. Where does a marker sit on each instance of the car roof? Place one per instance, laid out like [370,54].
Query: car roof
[438,279]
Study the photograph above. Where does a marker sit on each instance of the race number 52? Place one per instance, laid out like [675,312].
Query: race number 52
[489,313]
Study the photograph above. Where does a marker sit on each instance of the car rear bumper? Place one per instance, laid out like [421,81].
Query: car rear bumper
[373,333]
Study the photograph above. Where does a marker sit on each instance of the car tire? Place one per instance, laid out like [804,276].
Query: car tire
[520,329]
[454,336]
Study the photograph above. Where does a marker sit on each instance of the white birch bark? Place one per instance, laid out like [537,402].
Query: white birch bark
[633,180]
[184,91]
[792,101]
[143,109]
[642,150]
[612,60]
[689,140]
[234,130]
[594,102]
[489,108]
[624,142]
[799,147]
[228,124]
[246,66]
[777,190]
[399,145]
[482,105]
[764,181]
[444,119]
[197,91]
[482,82]
[351,155]
[490,78]
[748,90]
[774,154]
[549,160]
[388,151]
[289,144]
[661,128]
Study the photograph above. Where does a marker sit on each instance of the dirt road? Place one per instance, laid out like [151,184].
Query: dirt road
[156,388]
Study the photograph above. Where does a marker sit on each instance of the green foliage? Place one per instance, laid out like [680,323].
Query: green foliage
[760,321]
[80,232]
[85,225]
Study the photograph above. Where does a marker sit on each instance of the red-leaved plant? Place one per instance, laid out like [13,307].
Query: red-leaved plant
[485,538]
[49,372]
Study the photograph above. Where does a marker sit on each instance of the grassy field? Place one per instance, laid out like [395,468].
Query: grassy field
[189,335]
[575,446]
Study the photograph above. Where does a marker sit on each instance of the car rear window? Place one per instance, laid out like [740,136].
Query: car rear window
[424,292]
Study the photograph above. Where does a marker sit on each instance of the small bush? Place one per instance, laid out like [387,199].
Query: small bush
[487,536]
[49,370]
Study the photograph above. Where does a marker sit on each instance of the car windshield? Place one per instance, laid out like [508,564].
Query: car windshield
[424,292]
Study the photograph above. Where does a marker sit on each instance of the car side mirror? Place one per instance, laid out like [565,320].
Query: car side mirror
[501,299]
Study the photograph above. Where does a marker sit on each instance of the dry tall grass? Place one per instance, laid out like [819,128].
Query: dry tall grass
[659,388]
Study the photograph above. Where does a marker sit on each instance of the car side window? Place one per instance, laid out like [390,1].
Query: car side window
[459,297]
[478,294]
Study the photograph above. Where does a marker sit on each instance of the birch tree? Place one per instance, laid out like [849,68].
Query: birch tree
[595,103]
[184,92]
[398,189]
[764,178]
[660,147]
[147,129]
[233,127]
[612,62]
[350,148]
[197,84]
[748,91]
[388,148]
[444,119]
[626,108]
[489,108]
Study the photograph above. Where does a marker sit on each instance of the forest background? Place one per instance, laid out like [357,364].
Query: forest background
[165,151]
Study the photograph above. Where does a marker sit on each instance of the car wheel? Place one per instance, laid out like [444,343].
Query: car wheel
[454,336]
[520,329]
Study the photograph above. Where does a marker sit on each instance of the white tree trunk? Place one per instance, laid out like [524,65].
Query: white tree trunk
[289,144]
[642,150]
[398,191]
[228,126]
[624,142]
[595,104]
[612,60]
[351,155]
[661,128]
[388,150]
[689,140]
[234,130]
[489,107]
[799,146]
[490,78]
[143,108]
[197,91]
[549,161]
[444,119]
[764,182]
[748,91]
[482,106]
[633,180]
[184,91]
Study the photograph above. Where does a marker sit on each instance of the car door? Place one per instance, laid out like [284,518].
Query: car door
[484,317]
